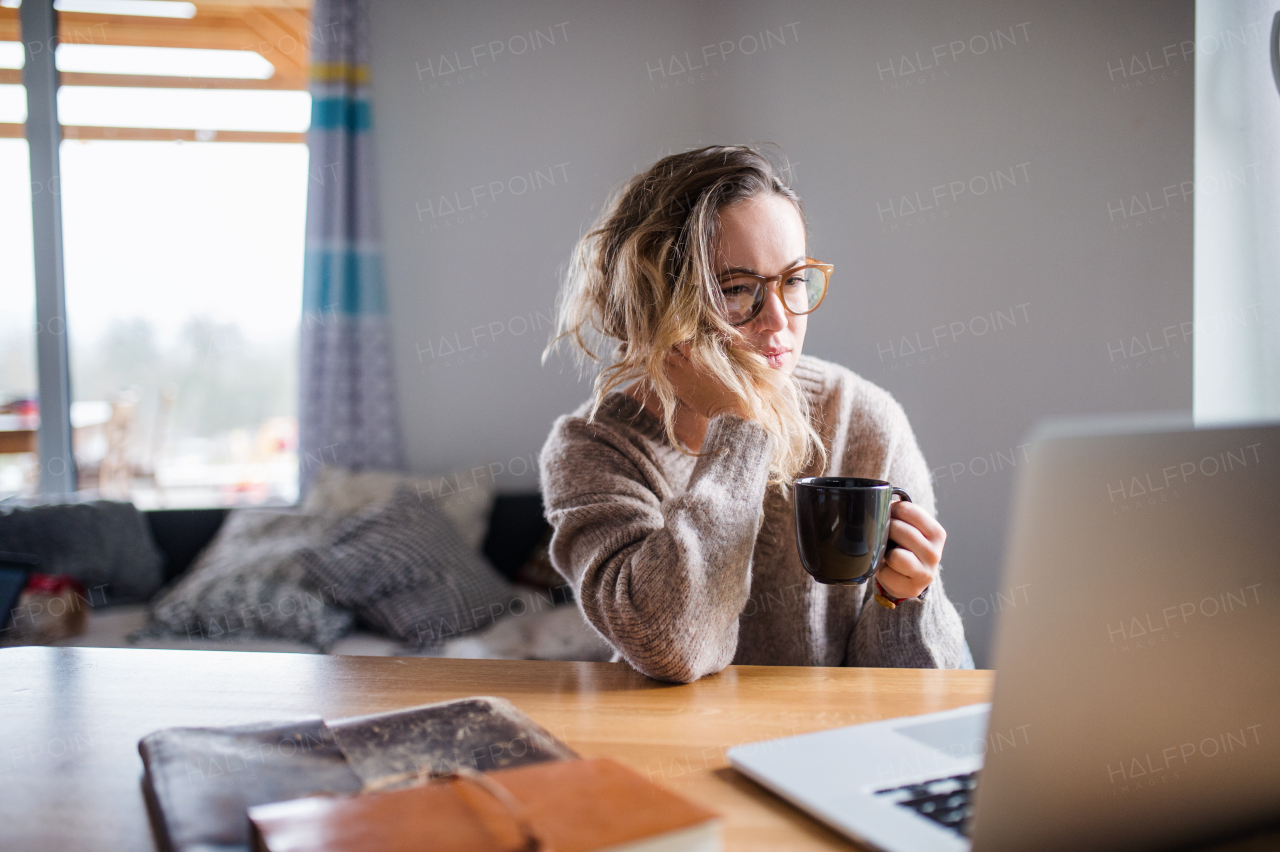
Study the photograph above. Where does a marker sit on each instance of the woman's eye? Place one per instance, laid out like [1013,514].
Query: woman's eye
[736,291]
[795,281]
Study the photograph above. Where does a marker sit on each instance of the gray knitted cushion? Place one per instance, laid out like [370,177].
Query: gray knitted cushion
[404,569]
[248,583]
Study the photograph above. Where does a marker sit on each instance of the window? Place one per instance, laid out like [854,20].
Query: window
[184,181]
[17,276]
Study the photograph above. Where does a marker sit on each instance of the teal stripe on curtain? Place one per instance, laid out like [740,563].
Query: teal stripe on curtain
[341,113]
[345,281]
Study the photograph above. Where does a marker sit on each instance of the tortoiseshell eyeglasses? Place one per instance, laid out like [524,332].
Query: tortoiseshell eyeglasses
[800,289]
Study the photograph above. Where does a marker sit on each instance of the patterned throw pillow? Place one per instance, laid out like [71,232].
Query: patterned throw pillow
[249,584]
[404,569]
[465,497]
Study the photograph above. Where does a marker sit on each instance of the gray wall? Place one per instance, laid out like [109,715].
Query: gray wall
[1002,187]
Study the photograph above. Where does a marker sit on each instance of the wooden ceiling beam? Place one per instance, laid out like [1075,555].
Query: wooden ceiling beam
[238,27]
[220,7]
[289,17]
[147,81]
[287,49]
[217,33]
[154,134]
[12,76]
[278,30]
[10,29]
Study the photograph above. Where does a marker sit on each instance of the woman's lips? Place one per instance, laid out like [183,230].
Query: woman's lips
[775,357]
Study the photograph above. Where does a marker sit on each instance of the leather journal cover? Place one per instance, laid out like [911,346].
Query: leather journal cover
[568,806]
[200,781]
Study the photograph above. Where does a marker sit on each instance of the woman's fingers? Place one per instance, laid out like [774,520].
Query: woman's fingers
[905,535]
[903,575]
[920,519]
[685,380]
[703,394]
[912,566]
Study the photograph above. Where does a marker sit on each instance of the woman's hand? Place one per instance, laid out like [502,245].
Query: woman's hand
[703,394]
[909,568]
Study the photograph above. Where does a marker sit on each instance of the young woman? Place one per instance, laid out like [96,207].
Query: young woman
[669,491]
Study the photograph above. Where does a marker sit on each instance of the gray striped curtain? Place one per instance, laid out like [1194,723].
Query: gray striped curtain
[347,412]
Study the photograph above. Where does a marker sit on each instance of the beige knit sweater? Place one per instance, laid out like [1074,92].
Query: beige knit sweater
[687,564]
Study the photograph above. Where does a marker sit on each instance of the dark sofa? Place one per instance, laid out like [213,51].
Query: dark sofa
[516,525]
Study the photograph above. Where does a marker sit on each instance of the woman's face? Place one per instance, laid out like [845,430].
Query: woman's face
[765,236]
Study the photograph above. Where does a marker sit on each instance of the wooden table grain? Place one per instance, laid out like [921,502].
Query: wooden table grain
[70,720]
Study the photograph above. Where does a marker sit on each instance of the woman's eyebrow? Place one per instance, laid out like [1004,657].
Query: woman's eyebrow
[799,261]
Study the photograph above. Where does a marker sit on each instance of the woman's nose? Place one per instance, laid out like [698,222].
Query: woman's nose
[772,317]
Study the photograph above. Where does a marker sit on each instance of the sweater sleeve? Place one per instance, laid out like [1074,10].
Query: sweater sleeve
[921,632]
[662,578]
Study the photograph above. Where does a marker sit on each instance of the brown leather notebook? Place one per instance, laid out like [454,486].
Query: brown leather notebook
[199,781]
[566,806]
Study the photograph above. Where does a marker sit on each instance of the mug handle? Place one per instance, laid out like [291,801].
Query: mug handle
[903,495]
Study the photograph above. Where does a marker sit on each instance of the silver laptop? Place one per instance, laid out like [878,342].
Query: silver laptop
[1138,698]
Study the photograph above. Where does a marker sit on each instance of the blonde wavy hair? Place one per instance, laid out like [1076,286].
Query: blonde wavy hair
[642,280]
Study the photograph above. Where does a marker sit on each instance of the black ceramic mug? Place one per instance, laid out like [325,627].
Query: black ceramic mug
[842,526]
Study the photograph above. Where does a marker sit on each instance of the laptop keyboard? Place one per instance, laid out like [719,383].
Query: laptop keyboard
[947,801]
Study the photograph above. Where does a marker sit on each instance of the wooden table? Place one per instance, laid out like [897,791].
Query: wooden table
[70,720]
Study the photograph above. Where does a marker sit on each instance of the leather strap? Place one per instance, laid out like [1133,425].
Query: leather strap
[533,843]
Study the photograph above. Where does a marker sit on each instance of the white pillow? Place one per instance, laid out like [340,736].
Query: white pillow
[344,493]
